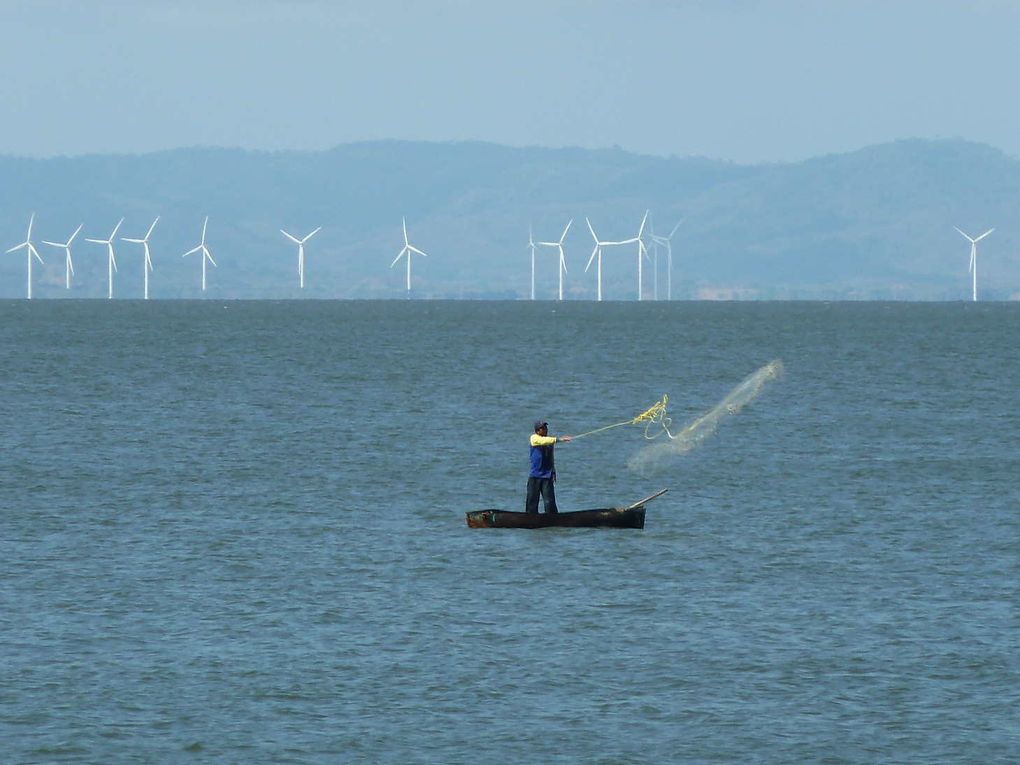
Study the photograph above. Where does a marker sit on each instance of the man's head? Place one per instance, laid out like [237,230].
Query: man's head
[541,425]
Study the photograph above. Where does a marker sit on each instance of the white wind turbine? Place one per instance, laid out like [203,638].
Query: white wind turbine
[204,250]
[147,262]
[407,251]
[642,251]
[531,246]
[597,251]
[563,262]
[973,259]
[30,251]
[301,252]
[667,242]
[68,265]
[111,261]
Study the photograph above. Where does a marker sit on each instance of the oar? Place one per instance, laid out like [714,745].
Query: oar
[646,499]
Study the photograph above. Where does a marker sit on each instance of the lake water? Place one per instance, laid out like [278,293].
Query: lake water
[234,533]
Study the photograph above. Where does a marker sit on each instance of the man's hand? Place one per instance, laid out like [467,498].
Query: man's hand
[566,438]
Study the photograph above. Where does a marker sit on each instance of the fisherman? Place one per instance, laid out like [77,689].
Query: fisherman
[542,475]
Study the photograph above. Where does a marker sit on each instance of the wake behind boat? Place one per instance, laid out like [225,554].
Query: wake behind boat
[630,517]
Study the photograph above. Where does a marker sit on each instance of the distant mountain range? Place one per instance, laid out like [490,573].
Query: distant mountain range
[872,224]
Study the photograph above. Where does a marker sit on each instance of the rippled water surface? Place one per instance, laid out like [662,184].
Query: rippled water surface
[234,532]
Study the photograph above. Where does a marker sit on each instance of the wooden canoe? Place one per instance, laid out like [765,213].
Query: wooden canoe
[631,517]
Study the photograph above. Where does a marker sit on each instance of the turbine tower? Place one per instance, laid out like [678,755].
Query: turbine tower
[301,252]
[68,265]
[204,250]
[111,261]
[147,262]
[563,262]
[666,241]
[973,259]
[31,252]
[407,251]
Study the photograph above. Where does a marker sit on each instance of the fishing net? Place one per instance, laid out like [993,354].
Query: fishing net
[692,434]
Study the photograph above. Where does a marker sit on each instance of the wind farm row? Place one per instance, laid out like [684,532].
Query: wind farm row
[657,242]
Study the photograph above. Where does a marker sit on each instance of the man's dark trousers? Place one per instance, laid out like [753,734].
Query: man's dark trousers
[543,486]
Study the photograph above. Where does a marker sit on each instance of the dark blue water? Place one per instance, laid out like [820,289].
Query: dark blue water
[235,533]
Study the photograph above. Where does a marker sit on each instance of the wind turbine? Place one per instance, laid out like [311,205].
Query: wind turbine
[667,241]
[301,252]
[973,258]
[69,266]
[408,249]
[204,250]
[30,251]
[642,251]
[531,246]
[147,263]
[563,262]
[111,264]
[598,251]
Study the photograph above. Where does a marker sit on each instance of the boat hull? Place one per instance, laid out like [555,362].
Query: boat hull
[613,517]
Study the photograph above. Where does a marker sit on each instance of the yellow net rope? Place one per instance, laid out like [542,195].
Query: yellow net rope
[654,418]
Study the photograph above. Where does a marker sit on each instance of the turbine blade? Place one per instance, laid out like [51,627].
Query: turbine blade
[15,249]
[564,234]
[192,251]
[115,228]
[593,253]
[415,249]
[643,221]
[964,236]
[591,229]
[292,238]
[52,244]
[149,232]
[31,220]
[398,257]
[312,234]
[984,235]
[35,252]
[674,229]
[207,254]
[136,241]
[97,241]
[563,262]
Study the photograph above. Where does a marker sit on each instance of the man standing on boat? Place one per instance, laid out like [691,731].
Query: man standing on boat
[542,475]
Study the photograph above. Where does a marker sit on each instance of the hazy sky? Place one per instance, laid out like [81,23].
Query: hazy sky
[732,79]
